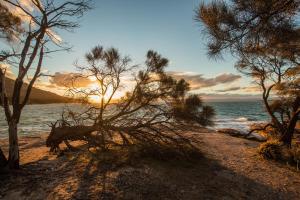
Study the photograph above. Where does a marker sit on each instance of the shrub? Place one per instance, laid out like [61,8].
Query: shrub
[271,149]
[296,153]
[276,150]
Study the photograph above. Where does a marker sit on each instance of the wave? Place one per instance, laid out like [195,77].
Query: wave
[239,119]
[242,119]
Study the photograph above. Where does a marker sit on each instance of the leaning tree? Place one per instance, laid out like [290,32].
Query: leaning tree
[154,109]
[264,37]
[39,22]
[10,26]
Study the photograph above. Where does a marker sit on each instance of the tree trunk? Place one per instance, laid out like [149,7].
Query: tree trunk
[274,120]
[60,134]
[288,135]
[3,160]
[14,157]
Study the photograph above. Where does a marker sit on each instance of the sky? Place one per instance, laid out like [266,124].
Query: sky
[166,26]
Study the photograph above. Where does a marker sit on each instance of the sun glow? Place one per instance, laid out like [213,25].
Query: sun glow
[97,98]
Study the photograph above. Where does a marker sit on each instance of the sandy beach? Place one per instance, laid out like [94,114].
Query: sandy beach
[229,168]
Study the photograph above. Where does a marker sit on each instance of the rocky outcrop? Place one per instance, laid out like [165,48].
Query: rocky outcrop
[237,133]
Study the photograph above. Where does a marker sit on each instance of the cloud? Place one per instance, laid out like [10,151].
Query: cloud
[229,97]
[70,79]
[29,7]
[26,4]
[252,89]
[8,72]
[54,36]
[197,81]
[229,89]
[248,89]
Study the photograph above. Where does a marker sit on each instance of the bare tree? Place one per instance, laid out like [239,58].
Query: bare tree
[37,39]
[9,25]
[155,110]
[264,36]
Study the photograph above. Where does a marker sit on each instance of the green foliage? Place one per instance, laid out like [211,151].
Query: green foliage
[193,110]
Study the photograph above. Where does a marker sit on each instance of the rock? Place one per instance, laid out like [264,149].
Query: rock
[231,131]
[257,137]
[237,133]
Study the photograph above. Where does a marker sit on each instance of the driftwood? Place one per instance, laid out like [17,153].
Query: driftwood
[259,129]
[127,135]
[65,133]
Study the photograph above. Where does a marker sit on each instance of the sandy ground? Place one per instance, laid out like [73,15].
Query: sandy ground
[229,168]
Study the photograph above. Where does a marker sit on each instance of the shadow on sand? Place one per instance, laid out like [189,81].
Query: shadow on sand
[82,175]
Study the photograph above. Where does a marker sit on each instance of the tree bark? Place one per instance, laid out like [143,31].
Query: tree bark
[288,135]
[3,160]
[274,120]
[60,134]
[14,157]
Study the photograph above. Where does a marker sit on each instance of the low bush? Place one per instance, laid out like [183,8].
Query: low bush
[275,150]
[272,149]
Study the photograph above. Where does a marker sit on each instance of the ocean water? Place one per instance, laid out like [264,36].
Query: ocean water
[36,119]
[239,115]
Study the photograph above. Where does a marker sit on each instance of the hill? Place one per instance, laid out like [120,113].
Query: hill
[37,96]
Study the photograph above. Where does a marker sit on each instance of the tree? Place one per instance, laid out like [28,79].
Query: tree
[37,39]
[264,36]
[154,110]
[10,24]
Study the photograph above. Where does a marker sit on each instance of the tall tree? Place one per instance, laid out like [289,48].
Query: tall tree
[264,35]
[10,26]
[39,37]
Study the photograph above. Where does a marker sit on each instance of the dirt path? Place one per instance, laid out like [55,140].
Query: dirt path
[240,158]
[228,169]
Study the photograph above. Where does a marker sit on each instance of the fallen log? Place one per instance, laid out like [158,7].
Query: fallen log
[65,133]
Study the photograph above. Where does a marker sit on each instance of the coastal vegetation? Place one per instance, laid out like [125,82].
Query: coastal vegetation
[264,36]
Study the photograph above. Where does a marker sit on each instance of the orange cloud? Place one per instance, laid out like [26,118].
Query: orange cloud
[70,80]
[8,72]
